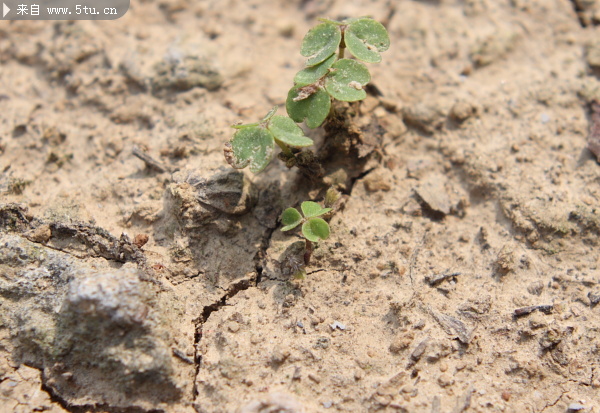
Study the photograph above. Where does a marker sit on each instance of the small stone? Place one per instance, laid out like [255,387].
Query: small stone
[314,378]
[140,240]
[594,297]
[428,118]
[445,380]
[401,343]
[505,261]
[537,320]
[233,327]
[536,288]
[40,234]
[461,111]
[375,181]
[279,356]
[575,407]
[433,196]
[183,73]
[338,325]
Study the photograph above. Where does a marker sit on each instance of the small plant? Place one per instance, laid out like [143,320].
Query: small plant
[253,144]
[328,74]
[313,227]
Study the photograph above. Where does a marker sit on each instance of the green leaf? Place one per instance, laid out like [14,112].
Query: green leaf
[247,125]
[365,38]
[345,82]
[290,218]
[312,209]
[314,73]
[252,146]
[270,114]
[321,42]
[314,109]
[315,228]
[285,130]
[336,22]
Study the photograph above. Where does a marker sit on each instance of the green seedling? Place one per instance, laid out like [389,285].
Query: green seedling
[328,74]
[313,227]
[253,144]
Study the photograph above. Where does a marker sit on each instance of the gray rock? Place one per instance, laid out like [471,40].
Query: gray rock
[99,335]
[184,73]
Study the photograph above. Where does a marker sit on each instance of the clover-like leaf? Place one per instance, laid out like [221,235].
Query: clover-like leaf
[321,42]
[315,229]
[250,146]
[270,114]
[365,38]
[290,218]
[314,108]
[312,74]
[285,130]
[345,82]
[312,209]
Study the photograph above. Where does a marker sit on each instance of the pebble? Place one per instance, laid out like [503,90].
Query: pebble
[443,366]
[544,118]
[445,380]
[337,324]
[314,378]
[233,327]
[461,111]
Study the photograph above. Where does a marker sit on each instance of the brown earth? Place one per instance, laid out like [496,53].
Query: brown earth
[164,285]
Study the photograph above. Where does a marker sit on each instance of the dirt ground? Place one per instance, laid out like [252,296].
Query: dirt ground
[461,274]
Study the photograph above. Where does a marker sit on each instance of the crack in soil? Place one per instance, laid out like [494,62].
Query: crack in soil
[242,285]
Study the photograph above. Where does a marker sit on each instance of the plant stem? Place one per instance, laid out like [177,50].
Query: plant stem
[308,252]
[284,148]
[342,46]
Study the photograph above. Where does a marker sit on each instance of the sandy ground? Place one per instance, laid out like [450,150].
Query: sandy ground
[462,271]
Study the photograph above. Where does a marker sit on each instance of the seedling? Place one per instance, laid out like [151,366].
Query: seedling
[313,227]
[253,144]
[328,74]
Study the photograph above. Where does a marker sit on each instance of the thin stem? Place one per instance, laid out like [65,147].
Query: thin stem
[308,252]
[342,44]
[285,149]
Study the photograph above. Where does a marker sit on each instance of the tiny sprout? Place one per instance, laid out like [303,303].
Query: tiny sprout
[328,74]
[253,144]
[313,227]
